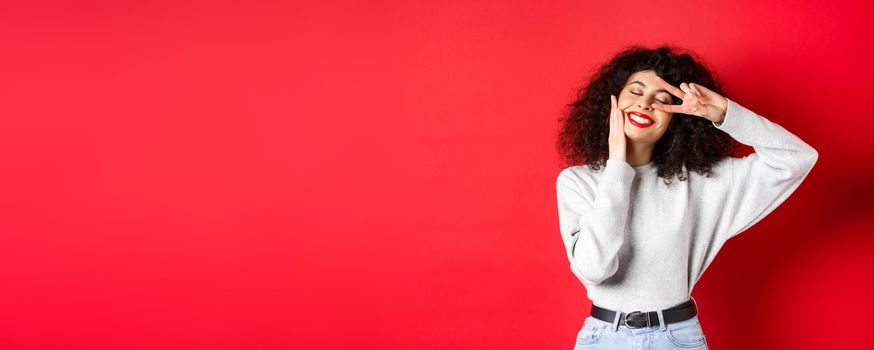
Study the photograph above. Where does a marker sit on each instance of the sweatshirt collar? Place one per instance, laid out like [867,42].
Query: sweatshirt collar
[648,168]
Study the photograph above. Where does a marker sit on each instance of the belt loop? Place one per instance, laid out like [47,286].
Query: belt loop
[662,320]
[694,302]
[616,320]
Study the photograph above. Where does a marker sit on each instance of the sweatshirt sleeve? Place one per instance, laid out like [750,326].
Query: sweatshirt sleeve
[592,219]
[763,180]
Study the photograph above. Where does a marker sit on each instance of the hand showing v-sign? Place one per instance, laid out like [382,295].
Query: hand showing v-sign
[697,100]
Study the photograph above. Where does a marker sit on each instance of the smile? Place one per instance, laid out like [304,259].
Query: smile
[640,120]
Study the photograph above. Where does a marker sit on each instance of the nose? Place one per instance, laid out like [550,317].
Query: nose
[645,106]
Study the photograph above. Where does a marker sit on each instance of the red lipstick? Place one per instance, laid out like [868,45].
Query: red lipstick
[641,116]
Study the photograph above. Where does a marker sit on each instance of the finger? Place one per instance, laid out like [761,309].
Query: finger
[668,108]
[695,89]
[704,90]
[614,117]
[673,90]
[685,88]
[619,115]
[612,109]
[612,104]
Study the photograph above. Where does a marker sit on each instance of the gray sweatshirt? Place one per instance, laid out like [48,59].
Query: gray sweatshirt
[637,244]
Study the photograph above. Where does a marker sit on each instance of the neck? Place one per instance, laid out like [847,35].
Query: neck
[638,154]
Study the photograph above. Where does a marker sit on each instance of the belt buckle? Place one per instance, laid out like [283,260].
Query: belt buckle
[636,312]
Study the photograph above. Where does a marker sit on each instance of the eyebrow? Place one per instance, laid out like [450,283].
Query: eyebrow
[644,85]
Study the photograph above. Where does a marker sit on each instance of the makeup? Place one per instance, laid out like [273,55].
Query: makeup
[640,120]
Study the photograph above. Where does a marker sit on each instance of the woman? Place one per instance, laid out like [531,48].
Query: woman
[636,239]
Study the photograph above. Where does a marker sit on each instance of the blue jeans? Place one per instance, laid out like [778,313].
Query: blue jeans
[597,334]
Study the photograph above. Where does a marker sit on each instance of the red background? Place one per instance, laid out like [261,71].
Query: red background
[272,175]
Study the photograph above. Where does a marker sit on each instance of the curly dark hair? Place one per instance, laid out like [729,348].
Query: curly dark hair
[697,144]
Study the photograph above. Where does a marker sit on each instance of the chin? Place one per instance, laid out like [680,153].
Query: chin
[650,136]
[641,138]
[642,141]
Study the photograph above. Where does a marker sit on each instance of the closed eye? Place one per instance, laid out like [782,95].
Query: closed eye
[642,95]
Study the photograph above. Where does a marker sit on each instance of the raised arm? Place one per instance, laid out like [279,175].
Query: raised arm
[763,180]
[592,219]
[759,182]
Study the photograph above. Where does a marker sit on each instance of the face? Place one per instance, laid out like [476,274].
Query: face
[643,123]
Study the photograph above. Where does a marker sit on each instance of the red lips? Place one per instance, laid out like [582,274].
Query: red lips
[641,115]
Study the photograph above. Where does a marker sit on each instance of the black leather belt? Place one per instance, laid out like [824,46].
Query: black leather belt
[639,319]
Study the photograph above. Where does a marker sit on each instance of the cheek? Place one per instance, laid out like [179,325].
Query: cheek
[624,101]
[666,119]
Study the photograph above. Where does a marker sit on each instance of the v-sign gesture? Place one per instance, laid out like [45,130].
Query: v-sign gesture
[697,100]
